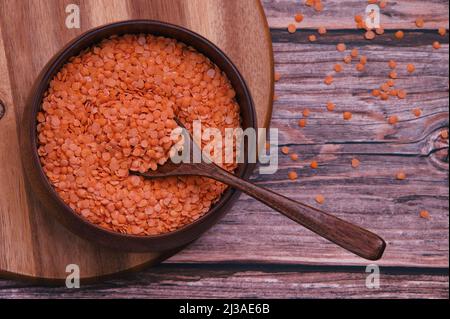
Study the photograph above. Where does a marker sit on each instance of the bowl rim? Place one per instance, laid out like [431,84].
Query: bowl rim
[74,47]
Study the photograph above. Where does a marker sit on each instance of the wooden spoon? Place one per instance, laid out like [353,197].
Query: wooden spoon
[349,236]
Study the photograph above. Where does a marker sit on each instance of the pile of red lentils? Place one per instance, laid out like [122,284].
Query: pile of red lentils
[110,110]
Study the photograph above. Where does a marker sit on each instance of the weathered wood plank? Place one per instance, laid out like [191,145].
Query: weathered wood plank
[185,281]
[304,66]
[369,195]
[340,14]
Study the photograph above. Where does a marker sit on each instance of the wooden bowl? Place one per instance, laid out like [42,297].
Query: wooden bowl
[44,191]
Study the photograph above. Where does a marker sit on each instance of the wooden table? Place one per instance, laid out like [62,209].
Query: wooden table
[255,252]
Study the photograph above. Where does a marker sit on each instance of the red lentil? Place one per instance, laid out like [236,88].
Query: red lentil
[347,115]
[338,68]
[393,119]
[322,30]
[392,64]
[347,59]
[420,22]
[417,112]
[370,35]
[341,47]
[376,92]
[298,17]
[401,94]
[400,175]
[379,30]
[330,106]
[320,199]
[318,6]
[291,28]
[292,175]
[355,163]
[424,214]
[363,59]
[328,80]
[399,35]
[277,76]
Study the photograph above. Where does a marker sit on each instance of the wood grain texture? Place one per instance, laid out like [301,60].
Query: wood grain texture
[255,252]
[42,247]
[252,281]
[370,195]
[338,14]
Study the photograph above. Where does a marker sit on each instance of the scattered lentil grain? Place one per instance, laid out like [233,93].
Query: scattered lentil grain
[399,35]
[330,106]
[370,35]
[292,175]
[401,94]
[320,199]
[355,163]
[424,214]
[442,31]
[436,45]
[392,64]
[312,38]
[360,67]
[338,68]
[417,112]
[347,115]
[420,22]
[363,60]
[298,17]
[322,30]
[400,175]
[328,80]
[291,28]
[341,47]
[277,76]
[347,59]
[379,30]
[393,119]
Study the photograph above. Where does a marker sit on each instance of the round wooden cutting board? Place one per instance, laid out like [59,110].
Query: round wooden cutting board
[31,32]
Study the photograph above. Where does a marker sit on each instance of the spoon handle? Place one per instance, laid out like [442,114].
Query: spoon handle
[349,236]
